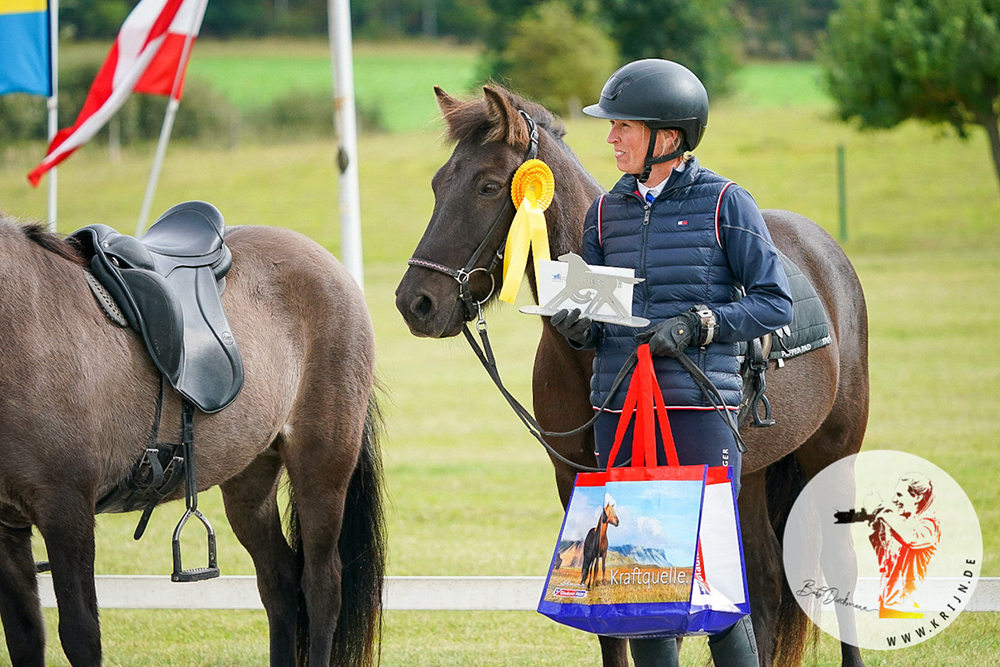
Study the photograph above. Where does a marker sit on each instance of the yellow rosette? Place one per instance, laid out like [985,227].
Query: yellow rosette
[531,189]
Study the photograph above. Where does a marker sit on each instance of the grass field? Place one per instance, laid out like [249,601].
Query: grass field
[470,492]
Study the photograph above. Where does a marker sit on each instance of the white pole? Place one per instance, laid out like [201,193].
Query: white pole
[339,14]
[154,174]
[168,120]
[53,106]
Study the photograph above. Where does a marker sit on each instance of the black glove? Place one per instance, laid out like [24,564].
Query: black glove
[572,326]
[671,337]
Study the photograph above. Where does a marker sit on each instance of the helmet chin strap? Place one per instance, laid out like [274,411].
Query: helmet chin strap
[650,160]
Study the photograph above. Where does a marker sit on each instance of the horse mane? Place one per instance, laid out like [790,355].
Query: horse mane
[39,235]
[476,118]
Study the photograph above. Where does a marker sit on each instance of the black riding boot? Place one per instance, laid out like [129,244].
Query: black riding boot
[654,652]
[735,646]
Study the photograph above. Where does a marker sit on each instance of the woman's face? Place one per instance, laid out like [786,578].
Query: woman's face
[630,139]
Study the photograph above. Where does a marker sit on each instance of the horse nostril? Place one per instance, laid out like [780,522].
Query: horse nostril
[422,306]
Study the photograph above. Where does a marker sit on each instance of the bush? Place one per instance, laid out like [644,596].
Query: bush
[557,59]
[203,113]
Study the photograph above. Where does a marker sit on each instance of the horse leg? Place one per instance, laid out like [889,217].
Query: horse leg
[252,509]
[763,557]
[67,525]
[837,557]
[20,611]
[330,459]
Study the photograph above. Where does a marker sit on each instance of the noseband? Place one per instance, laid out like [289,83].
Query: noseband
[472,307]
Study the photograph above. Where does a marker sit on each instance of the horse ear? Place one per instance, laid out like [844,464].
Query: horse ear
[446,102]
[508,126]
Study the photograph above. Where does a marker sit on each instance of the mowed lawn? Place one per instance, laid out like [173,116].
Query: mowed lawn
[470,492]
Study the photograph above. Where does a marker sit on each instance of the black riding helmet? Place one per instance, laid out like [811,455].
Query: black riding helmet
[661,93]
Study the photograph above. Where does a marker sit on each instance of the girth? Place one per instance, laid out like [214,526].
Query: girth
[168,286]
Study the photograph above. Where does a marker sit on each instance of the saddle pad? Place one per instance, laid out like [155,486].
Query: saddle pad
[809,329]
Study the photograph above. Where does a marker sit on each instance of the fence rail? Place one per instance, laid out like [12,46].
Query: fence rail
[401,593]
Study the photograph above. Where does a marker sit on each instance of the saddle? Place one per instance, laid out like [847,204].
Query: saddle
[809,330]
[168,285]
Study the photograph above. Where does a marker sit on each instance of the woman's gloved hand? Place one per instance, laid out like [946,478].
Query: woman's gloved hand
[572,326]
[671,337]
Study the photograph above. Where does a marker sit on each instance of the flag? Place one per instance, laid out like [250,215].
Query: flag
[145,58]
[25,53]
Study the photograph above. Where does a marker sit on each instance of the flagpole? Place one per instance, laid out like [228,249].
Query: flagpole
[52,104]
[168,122]
[339,17]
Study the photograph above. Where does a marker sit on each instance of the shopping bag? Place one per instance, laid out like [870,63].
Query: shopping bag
[647,550]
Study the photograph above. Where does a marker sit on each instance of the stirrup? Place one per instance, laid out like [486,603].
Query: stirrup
[191,499]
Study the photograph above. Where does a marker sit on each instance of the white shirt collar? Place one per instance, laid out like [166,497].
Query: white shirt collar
[658,188]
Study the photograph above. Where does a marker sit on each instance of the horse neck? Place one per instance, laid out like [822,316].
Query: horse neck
[36,282]
[576,189]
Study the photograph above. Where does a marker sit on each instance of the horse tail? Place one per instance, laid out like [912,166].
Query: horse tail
[784,481]
[362,548]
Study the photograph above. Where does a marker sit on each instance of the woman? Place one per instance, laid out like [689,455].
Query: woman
[712,278]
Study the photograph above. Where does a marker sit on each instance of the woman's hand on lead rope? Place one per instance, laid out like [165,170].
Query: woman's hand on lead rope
[671,337]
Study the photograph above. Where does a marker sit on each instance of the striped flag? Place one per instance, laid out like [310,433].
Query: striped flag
[148,56]
[25,53]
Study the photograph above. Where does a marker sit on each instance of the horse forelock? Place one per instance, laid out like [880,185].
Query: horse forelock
[482,121]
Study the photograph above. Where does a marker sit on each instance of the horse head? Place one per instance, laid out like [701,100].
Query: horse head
[611,514]
[455,266]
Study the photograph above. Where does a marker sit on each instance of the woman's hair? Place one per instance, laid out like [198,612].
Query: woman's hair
[920,487]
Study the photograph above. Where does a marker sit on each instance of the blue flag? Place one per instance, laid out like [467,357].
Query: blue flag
[25,52]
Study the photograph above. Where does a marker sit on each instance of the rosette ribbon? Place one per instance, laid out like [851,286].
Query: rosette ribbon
[531,189]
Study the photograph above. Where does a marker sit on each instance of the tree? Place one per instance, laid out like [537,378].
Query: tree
[702,35]
[934,60]
[558,60]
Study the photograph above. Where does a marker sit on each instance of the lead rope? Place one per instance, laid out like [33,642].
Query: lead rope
[485,355]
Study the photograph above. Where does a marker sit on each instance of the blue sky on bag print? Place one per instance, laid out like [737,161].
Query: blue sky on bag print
[655,515]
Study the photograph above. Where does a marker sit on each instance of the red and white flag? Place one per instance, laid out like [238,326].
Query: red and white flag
[146,58]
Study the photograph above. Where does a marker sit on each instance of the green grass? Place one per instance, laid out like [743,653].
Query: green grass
[470,492]
[393,82]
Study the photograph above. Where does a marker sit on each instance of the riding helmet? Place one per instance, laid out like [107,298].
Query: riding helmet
[662,93]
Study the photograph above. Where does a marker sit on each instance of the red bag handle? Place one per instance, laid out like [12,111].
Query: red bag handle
[644,398]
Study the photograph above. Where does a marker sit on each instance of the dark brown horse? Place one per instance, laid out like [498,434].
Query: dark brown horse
[77,401]
[820,399]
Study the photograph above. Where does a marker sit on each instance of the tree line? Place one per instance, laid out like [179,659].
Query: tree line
[884,61]
[765,28]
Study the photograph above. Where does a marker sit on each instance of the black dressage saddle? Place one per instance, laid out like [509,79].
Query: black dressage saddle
[168,285]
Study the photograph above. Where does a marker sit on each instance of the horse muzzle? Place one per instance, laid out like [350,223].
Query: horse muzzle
[430,304]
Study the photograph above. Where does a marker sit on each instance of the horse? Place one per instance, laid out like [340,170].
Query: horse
[595,545]
[77,401]
[820,398]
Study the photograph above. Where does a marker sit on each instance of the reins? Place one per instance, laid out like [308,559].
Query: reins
[486,358]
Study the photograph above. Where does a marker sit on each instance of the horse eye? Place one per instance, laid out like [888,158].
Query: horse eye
[490,188]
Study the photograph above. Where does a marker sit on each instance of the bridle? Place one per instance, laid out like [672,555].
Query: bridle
[471,306]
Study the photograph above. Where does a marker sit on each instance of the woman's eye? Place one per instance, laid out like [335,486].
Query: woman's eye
[489,189]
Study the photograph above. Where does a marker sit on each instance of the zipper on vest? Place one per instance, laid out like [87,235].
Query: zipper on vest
[644,285]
